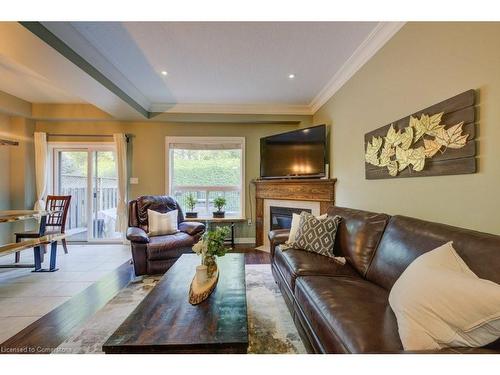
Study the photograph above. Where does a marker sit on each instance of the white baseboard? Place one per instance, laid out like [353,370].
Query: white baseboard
[244,240]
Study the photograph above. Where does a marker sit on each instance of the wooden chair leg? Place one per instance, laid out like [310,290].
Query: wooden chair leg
[64,245]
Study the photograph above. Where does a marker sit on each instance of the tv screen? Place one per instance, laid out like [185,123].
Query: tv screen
[299,153]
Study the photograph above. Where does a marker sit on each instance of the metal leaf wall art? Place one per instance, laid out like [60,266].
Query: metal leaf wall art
[398,151]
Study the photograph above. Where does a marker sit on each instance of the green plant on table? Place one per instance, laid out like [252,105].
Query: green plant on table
[219,203]
[212,243]
[210,246]
[191,202]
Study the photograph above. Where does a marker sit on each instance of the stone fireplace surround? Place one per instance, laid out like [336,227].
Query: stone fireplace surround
[314,194]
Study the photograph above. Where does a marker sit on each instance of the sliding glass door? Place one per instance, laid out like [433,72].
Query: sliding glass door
[71,178]
[104,195]
[87,172]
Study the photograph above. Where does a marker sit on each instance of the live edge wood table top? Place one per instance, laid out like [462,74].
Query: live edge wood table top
[165,321]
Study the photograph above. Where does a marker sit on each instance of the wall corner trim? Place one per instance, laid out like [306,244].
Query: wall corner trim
[380,35]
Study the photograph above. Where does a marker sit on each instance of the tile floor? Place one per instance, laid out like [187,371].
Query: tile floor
[27,296]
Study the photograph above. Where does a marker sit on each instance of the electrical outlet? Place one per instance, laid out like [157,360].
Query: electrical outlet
[249,221]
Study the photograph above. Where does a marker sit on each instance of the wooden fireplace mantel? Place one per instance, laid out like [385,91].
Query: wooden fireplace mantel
[315,190]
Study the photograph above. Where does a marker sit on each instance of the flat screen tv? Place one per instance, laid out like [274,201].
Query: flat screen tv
[296,154]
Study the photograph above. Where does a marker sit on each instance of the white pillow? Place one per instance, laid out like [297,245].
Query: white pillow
[439,302]
[295,226]
[160,224]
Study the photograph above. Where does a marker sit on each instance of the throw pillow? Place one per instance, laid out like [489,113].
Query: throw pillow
[439,302]
[160,224]
[295,226]
[315,235]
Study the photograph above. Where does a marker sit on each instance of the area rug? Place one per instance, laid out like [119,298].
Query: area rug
[271,328]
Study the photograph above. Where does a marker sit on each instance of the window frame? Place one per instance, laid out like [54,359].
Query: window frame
[207,140]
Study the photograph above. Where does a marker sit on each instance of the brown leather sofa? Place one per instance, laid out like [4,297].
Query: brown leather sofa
[153,255]
[344,308]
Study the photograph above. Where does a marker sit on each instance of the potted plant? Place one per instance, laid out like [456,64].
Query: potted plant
[219,203]
[191,204]
[210,246]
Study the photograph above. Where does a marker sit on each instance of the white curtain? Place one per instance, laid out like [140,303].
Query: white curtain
[121,166]
[41,169]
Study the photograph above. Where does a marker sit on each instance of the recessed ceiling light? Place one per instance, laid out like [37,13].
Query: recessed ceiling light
[164,73]
[291,76]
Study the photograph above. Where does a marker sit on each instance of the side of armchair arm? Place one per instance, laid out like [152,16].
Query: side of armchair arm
[192,228]
[277,237]
[135,234]
[482,350]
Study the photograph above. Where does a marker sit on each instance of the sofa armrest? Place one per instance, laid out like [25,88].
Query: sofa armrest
[135,234]
[192,228]
[277,237]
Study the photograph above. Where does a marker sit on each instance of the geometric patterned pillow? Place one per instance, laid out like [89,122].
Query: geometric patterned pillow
[315,235]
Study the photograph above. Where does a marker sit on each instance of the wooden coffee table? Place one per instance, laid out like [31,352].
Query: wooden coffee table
[165,322]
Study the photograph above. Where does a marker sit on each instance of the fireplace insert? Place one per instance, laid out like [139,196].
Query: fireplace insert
[281,217]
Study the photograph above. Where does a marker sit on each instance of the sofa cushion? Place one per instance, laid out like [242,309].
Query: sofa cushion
[439,302]
[348,315]
[358,235]
[294,228]
[407,238]
[169,246]
[160,224]
[316,235]
[292,263]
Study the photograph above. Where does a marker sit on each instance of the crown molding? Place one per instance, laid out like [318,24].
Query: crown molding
[380,35]
[237,109]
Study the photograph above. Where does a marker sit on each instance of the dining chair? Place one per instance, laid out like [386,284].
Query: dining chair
[56,221]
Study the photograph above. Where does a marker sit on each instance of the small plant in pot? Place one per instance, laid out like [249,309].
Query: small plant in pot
[191,204]
[219,203]
[211,246]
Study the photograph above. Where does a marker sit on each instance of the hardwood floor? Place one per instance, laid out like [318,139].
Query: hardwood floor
[252,256]
[48,332]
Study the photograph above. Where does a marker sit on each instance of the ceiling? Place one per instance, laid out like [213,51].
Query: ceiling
[229,63]
[231,67]
[17,80]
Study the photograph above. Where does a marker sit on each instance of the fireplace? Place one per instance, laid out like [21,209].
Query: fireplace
[281,217]
[314,196]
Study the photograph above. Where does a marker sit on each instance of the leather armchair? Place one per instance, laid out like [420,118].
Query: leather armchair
[153,255]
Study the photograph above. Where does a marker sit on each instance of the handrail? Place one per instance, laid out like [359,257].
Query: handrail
[205,188]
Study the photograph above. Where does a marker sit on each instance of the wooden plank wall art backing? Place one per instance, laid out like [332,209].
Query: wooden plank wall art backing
[439,140]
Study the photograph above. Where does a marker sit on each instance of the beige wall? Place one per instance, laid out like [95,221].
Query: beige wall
[5,180]
[423,64]
[16,166]
[148,148]
[22,164]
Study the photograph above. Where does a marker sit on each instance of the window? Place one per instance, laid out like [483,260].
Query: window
[207,167]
